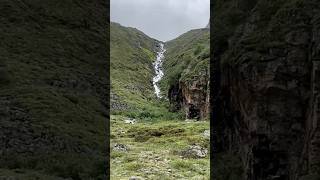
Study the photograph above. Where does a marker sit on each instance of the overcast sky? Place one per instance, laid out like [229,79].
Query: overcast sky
[161,19]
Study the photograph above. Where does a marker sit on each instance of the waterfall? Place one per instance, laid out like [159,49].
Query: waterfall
[158,70]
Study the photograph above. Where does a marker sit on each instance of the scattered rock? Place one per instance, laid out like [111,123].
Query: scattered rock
[194,151]
[135,178]
[121,131]
[116,103]
[130,121]
[120,147]
[206,133]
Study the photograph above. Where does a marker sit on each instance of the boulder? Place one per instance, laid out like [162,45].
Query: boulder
[195,151]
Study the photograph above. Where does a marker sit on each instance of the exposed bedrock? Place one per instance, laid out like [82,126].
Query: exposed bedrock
[269,101]
[192,97]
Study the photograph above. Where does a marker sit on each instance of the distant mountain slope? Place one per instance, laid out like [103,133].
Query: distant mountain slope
[156,133]
[132,55]
[186,69]
[53,89]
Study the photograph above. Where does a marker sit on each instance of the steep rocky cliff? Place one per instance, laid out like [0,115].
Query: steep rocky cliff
[53,89]
[267,55]
[186,76]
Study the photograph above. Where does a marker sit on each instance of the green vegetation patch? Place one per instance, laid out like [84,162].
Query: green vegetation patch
[187,58]
[155,157]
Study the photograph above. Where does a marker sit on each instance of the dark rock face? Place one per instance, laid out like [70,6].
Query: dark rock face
[175,97]
[196,98]
[269,92]
[192,96]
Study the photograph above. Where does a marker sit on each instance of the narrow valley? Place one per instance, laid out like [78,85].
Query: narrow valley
[149,138]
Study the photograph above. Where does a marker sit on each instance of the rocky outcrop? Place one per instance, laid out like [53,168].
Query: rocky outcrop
[186,67]
[116,104]
[175,97]
[194,151]
[192,97]
[268,102]
[196,98]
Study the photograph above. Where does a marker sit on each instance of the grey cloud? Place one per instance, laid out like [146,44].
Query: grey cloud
[161,19]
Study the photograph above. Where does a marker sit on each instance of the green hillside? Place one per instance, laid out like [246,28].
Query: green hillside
[159,145]
[132,92]
[187,57]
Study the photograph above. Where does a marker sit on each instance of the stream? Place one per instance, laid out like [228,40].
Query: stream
[158,70]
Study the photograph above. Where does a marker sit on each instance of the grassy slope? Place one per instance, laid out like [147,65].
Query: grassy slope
[186,57]
[53,88]
[132,55]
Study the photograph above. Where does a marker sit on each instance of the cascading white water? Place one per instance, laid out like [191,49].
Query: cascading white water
[158,69]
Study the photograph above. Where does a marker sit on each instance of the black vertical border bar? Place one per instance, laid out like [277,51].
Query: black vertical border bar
[214,91]
[107,167]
